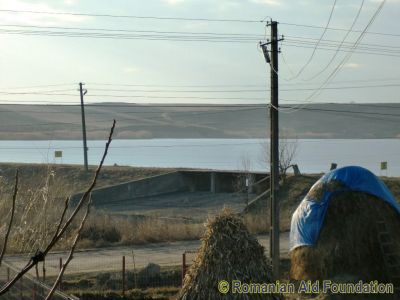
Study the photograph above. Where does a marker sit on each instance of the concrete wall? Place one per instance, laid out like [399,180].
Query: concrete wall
[151,186]
[180,181]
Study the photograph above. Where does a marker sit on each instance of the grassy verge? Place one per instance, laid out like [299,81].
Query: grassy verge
[147,283]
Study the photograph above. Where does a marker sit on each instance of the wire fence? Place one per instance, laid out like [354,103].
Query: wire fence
[28,287]
[98,272]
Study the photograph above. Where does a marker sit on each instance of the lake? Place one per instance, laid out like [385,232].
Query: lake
[313,155]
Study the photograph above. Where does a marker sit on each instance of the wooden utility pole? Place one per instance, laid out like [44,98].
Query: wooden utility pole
[274,145]
[85,148]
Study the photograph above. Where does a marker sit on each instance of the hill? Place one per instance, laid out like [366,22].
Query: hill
[32,122]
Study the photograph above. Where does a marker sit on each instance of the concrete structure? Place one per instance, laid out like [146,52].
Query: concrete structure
[179,181]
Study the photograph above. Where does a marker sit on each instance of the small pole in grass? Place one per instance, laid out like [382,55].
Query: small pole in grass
[60,262]
[20,289]
[123,276]
[134,269]
[34,291]
[183,266]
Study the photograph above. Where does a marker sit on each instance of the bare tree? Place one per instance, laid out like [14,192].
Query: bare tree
[14,197]
[61,228]
[71,253]
[243,181]
[288,149]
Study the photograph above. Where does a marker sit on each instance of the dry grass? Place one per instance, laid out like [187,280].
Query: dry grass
[42,192]
[228,252]
[348,242]
[257,223]
[103,230]
[38,207]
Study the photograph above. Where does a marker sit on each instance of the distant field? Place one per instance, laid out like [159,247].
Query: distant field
[45,122]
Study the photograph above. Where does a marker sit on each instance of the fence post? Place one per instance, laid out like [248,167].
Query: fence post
[20,288]
[34,291]
[183,266]
[60,263]
[44,270]
[134,269]
[123,275]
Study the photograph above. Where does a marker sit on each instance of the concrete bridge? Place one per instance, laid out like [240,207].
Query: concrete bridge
[180,181]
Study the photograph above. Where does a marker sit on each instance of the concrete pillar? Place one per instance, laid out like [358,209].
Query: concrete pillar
[250,182]
[213,182]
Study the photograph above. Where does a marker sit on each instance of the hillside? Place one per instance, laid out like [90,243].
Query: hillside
[172,121]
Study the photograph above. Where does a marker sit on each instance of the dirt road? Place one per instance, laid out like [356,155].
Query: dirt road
[110,259]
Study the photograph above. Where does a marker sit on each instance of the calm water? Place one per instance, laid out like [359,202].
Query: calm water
[224,154]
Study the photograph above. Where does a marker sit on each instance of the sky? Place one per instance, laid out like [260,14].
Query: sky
[200,65]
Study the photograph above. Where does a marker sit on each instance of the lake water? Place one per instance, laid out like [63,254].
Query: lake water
[313,155]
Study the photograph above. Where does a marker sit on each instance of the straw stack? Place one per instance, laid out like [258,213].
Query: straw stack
[228,252]
[348,244]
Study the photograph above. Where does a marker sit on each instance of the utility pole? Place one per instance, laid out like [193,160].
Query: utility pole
[85,148]
[274,145]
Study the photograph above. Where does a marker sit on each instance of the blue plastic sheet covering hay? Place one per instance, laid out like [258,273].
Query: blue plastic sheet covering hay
[309,216]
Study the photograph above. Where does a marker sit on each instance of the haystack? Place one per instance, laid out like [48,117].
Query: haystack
[348,245]
[228,252]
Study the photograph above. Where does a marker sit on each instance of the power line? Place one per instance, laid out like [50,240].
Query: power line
[233,35]
[139,146]
[300,45]
[377,105]
[238,85]
[341,43]
[335,43]
[56,92]
[127,37]
[291,43]
[345,111]
[336,70]
[51,92]
[39,86]
[374,80]
[339,29]
[181,35]
[193,19]
[132,16]
[317,44]
[345,46]
[378,50]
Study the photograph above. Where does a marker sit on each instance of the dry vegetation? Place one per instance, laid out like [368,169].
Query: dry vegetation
[348,243]
[228,251]
[43,190]
[103,229]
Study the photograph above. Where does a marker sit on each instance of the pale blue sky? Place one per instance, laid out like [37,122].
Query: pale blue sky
[41,60]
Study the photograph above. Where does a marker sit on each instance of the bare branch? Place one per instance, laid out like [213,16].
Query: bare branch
[86,194]
[14,197]
[61,219]
[71,252]
[39,256]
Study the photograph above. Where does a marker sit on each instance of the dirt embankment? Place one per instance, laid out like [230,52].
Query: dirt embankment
[72,178]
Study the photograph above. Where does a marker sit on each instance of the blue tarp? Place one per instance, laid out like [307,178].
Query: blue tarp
[309,216]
